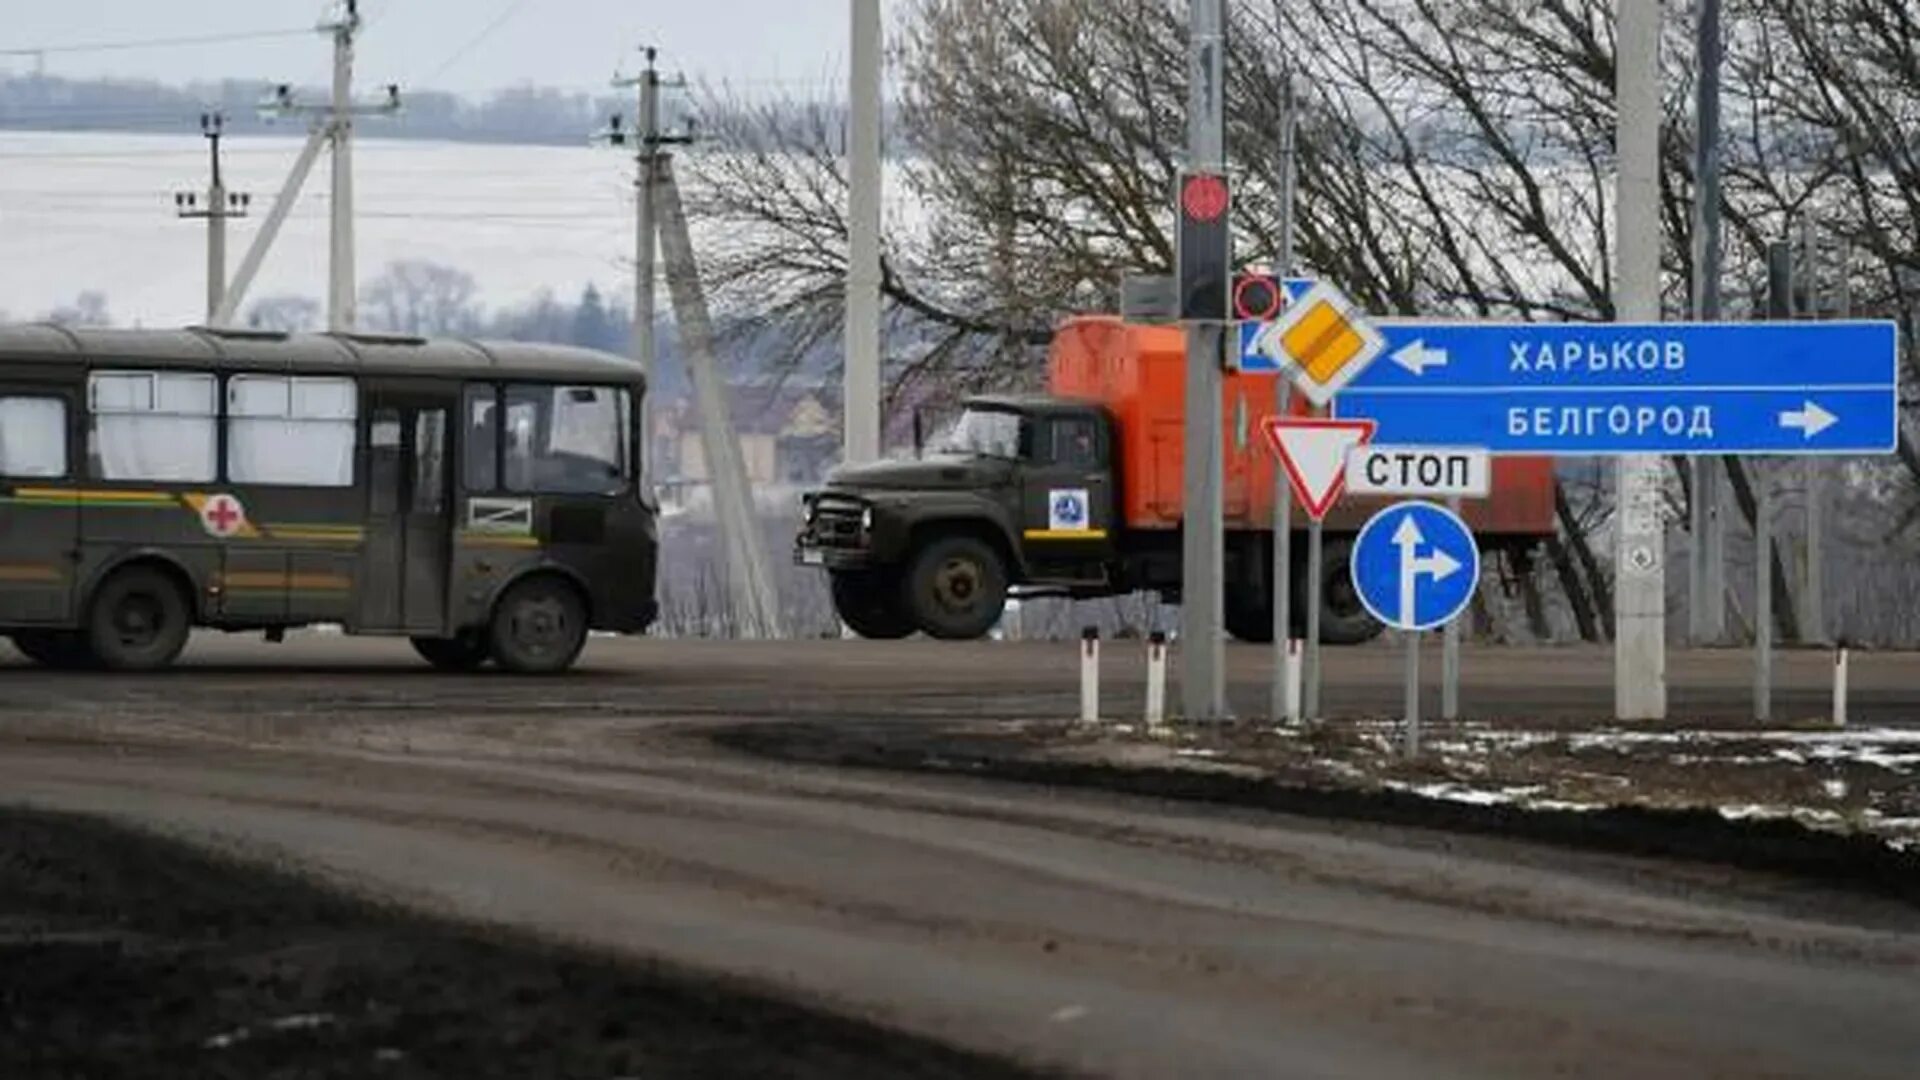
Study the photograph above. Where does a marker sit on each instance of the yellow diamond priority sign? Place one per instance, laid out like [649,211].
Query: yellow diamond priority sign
[1322,341]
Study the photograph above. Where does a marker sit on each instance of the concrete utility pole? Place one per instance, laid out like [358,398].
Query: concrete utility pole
[648,139]
[221,204]
[864,181]
[1203,672]
[332,126]
[1639,595]
[756,599]
[1707,556]
[1284,704]
[340,276]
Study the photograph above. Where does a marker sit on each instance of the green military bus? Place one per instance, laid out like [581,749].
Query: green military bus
[484,500]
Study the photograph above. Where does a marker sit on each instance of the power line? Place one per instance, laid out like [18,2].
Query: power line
[153,43]
[511,9]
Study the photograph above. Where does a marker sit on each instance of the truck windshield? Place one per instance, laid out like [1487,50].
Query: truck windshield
[983,433]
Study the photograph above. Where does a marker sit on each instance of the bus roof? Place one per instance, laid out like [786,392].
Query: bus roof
[253,350]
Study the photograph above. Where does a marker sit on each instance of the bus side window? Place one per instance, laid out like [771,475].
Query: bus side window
[153,425]
[297,432]
[479,464]
[33,437]
[430,460]
[383,461]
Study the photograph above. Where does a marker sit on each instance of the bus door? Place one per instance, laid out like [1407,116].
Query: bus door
[403,567]
[40,462]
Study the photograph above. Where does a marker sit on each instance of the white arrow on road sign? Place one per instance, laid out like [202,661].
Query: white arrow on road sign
[1314,452]
[1417,358]
[1440,566]
[1811,419]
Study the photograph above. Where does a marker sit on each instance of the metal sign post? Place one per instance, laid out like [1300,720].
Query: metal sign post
[1413,694]
[1763,597]
[1450,655]
[1286,699]
[1416,566]
[1204,203]
[1449,472]
[1321,342]
[1316,590]
[1313,454]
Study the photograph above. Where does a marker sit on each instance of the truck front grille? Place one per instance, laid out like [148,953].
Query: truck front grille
[836,523]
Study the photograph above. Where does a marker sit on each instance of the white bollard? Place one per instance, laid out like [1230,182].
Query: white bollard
[1840,688]
[1156,680]
[1291,677]
[1090,675]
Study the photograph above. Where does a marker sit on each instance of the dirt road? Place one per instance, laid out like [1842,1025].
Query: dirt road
[1117,936]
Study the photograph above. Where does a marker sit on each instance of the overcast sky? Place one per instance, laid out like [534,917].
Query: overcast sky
[758,45]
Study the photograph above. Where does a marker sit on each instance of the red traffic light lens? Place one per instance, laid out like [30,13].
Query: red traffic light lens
[1204,198]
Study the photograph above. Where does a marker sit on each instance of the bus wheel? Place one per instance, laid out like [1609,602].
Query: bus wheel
[956,588]
[869,603]
[138,621]
[538,627]
[463,653]
[54,648]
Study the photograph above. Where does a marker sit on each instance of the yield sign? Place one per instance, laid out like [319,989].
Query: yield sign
[1314,451]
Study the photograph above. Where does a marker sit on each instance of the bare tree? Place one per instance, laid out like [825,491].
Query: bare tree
[414,296]
[285,313]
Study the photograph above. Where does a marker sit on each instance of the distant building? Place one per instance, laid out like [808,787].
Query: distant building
[789,435]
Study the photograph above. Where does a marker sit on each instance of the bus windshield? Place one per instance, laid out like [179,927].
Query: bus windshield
[561,439]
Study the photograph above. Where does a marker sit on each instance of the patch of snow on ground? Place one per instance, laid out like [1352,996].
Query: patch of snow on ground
[1806,815]
[1461,793]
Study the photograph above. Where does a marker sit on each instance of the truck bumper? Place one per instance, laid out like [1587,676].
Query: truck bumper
[833,558]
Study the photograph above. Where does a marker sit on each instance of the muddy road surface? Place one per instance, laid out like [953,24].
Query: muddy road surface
[1099,933]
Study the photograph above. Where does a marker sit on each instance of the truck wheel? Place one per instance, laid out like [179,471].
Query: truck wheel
[463,653]
[138,621]
[64,649]
[1343,618]
[956,588]
[869,603]
[539,627]
[1249,621]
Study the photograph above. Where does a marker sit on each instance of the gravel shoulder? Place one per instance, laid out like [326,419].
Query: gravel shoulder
[126,954]
[1835,809]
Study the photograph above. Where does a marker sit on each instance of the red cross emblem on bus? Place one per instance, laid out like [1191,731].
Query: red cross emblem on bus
[223,515]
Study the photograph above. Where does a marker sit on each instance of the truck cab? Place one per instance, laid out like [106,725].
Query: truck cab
[1019,493]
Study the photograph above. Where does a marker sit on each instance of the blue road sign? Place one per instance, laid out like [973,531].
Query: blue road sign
[1614,388]
[1415,566]
[1258,362]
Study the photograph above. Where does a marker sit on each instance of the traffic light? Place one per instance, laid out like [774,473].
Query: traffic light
[1257,297]
[1203,248]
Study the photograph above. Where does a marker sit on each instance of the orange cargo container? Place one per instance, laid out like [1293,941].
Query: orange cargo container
[1137,373]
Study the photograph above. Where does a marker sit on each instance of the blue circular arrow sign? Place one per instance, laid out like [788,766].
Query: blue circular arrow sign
[1416,566]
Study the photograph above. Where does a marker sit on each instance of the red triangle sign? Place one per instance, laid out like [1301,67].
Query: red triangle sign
[1314,451]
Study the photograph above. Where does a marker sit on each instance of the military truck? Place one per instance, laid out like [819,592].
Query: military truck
[1078,493]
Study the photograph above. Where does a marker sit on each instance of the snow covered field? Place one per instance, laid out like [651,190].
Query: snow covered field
[95,212]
